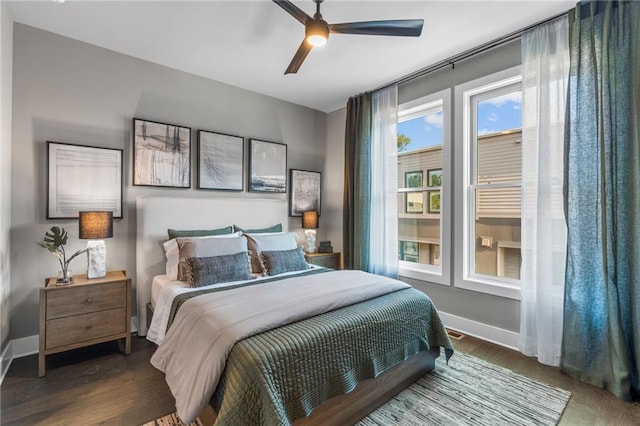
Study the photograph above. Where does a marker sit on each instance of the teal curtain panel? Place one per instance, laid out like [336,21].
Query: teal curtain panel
[601,342]
[357,183]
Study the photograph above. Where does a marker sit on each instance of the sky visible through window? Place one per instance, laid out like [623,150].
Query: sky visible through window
[494,115]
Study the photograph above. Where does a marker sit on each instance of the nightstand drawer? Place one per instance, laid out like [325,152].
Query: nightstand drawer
[327,260]
[85,299]
[72,330]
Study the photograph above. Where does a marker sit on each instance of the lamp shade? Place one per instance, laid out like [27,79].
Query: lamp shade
[310,219]
[95,225]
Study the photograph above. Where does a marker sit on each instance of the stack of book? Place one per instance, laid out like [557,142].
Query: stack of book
[325,247]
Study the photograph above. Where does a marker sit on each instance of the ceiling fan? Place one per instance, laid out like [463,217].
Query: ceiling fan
[317,30]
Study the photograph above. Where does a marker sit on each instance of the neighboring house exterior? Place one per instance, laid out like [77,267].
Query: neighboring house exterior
[498,210]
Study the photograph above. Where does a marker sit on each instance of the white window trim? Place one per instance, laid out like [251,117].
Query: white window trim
[462,276]
[406,111]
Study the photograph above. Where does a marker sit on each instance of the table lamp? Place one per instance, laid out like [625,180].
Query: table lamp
[94,226]
[310,224]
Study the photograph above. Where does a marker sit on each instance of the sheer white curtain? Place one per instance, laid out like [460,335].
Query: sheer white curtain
[384,182]
[545,63]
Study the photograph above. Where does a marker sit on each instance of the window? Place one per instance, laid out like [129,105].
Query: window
[468,234]
[488,197]
[423,156]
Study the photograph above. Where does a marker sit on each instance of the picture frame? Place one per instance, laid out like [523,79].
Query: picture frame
[220,161]
[434,201]
[81,178]
[413,179]
[304,192]
[267,166]
[161,154]
[414,202]
[434,178]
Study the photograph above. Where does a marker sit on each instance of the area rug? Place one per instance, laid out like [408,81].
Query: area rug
[468,391]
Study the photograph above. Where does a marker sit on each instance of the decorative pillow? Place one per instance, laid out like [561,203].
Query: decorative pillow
[274,228]
[175,233]
[181,247]
[201,271]
[280,261]
[269,242]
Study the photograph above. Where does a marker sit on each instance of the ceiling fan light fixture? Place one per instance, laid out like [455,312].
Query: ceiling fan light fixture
[316,30]
[317,33]
[317,40]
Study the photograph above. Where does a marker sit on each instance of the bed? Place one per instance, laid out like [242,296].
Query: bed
[317,358]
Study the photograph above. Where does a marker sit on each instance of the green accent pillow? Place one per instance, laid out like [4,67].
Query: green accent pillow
[274,228]
[175,233]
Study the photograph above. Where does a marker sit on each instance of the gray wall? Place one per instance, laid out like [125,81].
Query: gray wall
[497,311]
[6,69]
[68,91]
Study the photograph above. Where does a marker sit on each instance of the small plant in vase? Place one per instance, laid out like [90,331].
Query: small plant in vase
[54,241]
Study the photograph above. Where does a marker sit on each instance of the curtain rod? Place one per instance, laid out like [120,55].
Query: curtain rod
[451,61]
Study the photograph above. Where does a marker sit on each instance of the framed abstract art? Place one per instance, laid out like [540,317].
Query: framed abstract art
[161,154]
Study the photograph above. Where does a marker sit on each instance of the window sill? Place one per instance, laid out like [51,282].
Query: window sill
[422,273]
[506,290]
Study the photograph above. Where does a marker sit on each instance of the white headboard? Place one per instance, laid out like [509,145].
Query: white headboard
[157,214]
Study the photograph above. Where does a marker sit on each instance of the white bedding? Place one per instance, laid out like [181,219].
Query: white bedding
[158,283]
[192,363]
[163,290]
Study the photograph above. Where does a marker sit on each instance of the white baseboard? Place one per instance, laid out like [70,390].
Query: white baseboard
[25,346]
[17,348]
[5,362]
[490,333]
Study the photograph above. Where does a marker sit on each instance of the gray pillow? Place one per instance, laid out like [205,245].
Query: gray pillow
[201,271]
[280,261]
[174,233]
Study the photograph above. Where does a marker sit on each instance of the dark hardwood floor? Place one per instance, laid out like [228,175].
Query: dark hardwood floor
[99,385]
[94,385]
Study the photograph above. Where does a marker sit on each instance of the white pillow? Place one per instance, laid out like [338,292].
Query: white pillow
[276,241]
[172,250]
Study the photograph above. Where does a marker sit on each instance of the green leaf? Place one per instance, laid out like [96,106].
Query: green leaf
[56,236]
[54,241]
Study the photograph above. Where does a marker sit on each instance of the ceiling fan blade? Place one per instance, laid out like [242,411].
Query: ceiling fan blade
[294,11]
[400,27]
[299,57]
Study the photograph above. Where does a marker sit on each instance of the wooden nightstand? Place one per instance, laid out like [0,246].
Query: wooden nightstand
[84,313]
[328,260]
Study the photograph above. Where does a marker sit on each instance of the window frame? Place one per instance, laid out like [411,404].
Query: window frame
[415,108]
[464,273]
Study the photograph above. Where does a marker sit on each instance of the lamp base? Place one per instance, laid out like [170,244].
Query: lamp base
[311,240]
[96,259]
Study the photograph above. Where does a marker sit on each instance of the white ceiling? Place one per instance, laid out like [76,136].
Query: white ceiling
[250,43]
